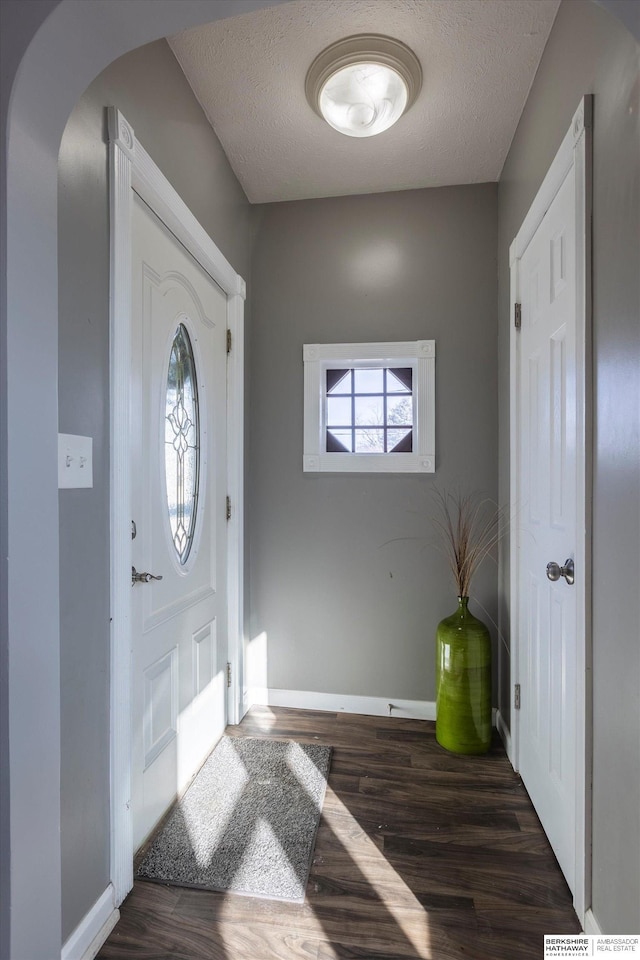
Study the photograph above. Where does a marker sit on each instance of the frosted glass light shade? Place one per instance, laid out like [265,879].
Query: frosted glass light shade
[363,99]
[361,85]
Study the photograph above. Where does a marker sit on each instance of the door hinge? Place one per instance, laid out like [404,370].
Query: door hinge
[516,697]
[228,507]
[517,315]
[228,674]
[229,341]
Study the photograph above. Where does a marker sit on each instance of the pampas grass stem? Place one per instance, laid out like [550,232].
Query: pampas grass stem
[470,529]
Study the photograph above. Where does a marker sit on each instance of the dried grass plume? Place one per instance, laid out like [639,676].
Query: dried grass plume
[470,528]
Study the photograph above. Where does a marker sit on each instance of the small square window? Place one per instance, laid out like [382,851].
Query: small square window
[369,407]
[373,402]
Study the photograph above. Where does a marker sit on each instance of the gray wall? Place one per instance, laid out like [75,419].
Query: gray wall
[345,579]
[590,52]
[18,24]
[150,89]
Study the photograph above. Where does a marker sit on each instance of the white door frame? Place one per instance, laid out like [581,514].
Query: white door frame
[132,169]
[575,151]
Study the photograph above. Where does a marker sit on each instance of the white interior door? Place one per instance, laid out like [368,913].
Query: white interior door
[178,458]
[547,521]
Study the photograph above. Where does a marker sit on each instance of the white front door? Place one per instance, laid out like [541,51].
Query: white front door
[547,520]
[178,458]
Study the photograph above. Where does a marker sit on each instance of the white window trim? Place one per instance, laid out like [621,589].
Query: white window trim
[318,357]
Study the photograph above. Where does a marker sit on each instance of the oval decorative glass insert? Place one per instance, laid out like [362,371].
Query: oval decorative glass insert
[182,443]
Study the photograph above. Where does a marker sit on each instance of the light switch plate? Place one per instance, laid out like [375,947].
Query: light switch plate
[75,461]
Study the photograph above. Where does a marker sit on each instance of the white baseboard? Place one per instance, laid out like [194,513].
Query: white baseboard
[344,703]
[259,695]
[505,735]
[591,925]
[92,931]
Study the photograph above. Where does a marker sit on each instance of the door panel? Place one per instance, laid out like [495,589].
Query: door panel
[547,444]
[179,621]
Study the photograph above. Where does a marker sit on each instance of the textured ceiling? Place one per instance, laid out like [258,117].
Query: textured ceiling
[478,58]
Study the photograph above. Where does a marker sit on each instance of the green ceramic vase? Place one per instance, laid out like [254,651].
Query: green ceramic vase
[463,682]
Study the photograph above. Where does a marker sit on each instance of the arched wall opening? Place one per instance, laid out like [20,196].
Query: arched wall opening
[71,47]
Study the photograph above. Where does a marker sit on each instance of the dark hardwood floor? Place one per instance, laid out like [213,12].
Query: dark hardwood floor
[419,854]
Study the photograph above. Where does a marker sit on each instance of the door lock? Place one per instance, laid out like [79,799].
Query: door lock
[142,577]
[554,572]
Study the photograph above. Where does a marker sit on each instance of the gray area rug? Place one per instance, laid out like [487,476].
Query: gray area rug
[248,821]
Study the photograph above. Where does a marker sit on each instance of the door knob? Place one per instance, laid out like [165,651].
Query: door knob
[142,577]
[554,572]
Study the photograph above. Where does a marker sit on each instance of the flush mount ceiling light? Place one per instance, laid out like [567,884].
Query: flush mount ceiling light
[362,85]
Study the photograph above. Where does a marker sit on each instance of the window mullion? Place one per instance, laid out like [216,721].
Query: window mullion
[384,408]
[353,412]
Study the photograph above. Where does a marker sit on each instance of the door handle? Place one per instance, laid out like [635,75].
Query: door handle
[142,577]
[554,572]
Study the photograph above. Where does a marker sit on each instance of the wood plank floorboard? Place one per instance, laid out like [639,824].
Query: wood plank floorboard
[420,855]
